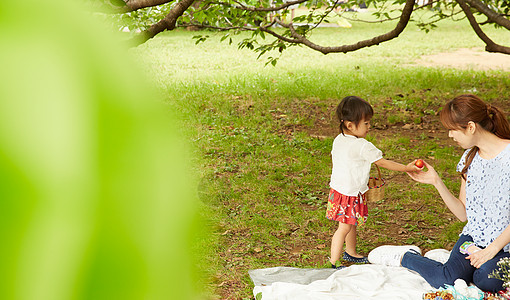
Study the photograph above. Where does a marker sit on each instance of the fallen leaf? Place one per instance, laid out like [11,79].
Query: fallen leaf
[296,250]
[321,246]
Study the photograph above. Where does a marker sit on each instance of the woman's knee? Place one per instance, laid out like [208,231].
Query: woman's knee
[482,280]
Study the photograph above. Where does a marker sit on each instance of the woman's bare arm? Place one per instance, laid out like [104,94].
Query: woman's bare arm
[456,205]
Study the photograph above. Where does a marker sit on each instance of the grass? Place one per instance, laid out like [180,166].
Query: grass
[262,135]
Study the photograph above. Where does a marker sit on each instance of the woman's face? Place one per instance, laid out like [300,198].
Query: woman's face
[462,137]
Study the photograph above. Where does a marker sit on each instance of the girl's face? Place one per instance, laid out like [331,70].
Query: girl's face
[360,130]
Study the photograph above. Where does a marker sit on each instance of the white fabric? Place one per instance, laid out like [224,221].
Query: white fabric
[487,197]
[440,255]
[355,282]
[352,158]
[390,255]
[303,276]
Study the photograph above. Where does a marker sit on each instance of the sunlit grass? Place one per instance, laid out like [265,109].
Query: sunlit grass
[263,137]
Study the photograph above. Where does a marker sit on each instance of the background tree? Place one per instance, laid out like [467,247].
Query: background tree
[274,18]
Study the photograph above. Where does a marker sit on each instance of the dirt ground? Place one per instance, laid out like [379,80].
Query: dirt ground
[475,58]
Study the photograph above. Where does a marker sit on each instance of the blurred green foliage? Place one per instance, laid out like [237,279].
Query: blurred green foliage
[94,197]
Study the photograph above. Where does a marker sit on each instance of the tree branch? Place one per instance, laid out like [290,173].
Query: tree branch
[268,9]
[167,23]
[490,46]
[342,14]
[326,13]
[129,5]
[279,36]
[401,25]
[132,5]
[491,14]
[202,26]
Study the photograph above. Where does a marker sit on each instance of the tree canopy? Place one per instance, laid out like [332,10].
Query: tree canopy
[274,18]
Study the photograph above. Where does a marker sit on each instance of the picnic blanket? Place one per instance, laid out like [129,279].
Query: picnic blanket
[354,282]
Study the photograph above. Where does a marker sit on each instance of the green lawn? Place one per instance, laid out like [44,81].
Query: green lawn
[261,138]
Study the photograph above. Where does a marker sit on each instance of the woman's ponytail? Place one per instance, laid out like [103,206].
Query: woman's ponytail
[463,109]
[501,126]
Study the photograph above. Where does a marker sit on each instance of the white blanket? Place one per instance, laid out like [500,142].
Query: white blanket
[355,282]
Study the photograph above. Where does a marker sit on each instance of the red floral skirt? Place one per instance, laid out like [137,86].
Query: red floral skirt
[347,209]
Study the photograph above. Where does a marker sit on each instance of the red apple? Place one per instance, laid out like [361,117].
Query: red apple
[419,163]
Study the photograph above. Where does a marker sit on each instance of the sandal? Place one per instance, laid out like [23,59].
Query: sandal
[337,268]
[358,260]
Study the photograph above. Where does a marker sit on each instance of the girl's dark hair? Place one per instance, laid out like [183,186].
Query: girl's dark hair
[353,109]
[463,109]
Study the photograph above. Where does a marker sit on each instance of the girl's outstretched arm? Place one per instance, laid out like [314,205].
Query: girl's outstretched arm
[456,205]
[395,166]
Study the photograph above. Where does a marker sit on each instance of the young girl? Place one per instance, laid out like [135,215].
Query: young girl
[484,199]
[352,158]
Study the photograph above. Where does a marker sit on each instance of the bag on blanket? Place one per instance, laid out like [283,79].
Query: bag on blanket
[459,291]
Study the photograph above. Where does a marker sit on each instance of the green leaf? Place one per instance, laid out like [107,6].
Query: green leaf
[224,37]
[199,16]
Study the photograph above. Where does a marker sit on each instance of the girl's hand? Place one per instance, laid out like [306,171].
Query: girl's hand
[411,167]
[480,257]
[429,177]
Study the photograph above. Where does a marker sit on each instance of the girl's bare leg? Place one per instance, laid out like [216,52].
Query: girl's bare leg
[350,243]
[337,242]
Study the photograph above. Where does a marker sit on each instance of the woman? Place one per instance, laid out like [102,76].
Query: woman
[484,199]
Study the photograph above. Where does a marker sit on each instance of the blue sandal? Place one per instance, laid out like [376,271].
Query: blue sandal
[358,260]
[337,268]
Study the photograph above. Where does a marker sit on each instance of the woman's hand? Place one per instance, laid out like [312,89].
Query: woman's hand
[480,257]
[429,177]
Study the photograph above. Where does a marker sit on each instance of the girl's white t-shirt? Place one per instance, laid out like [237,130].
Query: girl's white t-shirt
[487,197]
[352,159]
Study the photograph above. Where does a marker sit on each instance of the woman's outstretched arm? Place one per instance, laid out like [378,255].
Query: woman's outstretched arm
[456,205]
